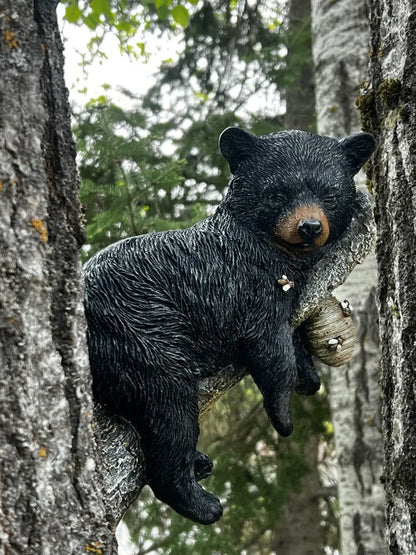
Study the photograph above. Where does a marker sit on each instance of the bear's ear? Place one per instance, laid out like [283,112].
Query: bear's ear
[236,145]
[358,148]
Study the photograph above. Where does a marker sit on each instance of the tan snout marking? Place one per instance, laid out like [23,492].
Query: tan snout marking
[287,232]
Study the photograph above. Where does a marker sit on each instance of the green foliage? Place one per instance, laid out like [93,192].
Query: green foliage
[122,17]
[231,53]
[128,185]
[125,19]
[180,15]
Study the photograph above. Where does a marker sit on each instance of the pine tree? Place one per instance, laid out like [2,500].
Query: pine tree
[129,186]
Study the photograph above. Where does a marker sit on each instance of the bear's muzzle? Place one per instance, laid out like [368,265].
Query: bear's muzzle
[304,229]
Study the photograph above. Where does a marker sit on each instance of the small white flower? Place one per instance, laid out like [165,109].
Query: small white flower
[346,307]
[335,343]
[285,282]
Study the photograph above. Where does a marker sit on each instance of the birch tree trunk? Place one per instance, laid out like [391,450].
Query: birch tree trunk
[340,47]
[388,109]
[50,498]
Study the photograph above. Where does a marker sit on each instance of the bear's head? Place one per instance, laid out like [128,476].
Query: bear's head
[294,186]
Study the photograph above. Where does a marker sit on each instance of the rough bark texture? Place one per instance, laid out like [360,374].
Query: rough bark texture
[50,498]
[340,48]
[340,45]
[388,110]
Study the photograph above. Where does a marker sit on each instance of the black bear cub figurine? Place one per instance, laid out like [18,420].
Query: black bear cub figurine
[166,310]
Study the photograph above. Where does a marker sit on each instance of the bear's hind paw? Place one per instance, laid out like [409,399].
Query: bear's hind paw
[309,385]
[193,502]
[203,507]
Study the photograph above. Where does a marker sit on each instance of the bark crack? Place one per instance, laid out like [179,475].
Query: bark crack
[344,96]
[60,219]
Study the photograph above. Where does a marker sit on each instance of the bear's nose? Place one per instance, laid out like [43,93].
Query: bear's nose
[309,230]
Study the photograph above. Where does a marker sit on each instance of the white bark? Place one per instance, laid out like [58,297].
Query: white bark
[340,47]
[388,109]
[50,498]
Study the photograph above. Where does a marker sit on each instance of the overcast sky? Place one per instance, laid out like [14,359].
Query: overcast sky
[118,70]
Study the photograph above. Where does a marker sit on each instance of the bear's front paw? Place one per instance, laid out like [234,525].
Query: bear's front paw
[308,384]
[202,465]
[278,410]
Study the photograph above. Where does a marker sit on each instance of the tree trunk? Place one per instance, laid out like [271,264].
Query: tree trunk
[340,39]
[388,111]
[50,498]
[300,530]
[300,97]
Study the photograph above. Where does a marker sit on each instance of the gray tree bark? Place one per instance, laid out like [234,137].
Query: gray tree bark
[340,45]
[50,495]
[388,109]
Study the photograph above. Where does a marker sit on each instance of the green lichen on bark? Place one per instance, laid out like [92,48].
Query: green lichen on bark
[368,169]
[389,93]
[366,106]
[386,99]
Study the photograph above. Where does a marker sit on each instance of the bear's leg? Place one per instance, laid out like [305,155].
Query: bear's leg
[308,381]
[169,433]
[277,405]
[272,364]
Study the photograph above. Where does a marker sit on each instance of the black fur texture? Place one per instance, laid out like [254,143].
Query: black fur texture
[165,310]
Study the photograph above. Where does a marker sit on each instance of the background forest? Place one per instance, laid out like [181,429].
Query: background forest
[152,163]
[148,160]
